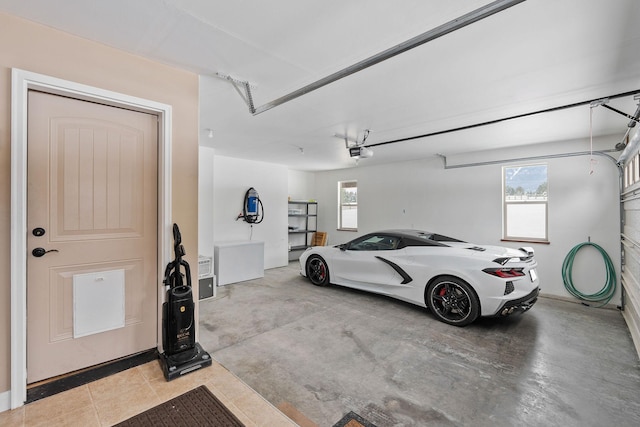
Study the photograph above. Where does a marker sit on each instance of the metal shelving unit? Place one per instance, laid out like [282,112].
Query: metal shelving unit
[303,222]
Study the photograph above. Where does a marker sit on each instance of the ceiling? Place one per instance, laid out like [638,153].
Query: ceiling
[533,56]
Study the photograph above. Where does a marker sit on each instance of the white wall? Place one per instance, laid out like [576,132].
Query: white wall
[302,185]
[467,203]
[462,202]
[231,179]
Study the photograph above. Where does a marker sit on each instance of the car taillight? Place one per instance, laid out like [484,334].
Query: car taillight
[505,273]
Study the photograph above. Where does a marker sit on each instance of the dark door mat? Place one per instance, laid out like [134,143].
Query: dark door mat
[353,420]
[197,407]
[89,375]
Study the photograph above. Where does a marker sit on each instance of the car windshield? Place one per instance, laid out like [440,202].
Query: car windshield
[397,239]
[377,242]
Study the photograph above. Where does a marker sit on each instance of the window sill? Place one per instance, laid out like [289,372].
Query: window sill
[347,229]
[542,242]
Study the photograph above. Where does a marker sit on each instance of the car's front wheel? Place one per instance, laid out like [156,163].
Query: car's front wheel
[452,301]
[317,270]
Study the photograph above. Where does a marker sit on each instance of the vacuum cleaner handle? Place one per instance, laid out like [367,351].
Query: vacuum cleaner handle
[172,275]
[178,249]
[187,271]
[167,275]
[177,237]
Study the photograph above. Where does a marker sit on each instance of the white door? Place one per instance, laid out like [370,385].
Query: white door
[92,208]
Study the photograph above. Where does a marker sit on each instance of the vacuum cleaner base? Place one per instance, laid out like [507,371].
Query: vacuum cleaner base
[179,364]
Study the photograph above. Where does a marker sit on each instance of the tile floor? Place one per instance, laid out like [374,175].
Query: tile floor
[114,399]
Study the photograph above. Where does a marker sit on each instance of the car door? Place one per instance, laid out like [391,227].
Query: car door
[362,263]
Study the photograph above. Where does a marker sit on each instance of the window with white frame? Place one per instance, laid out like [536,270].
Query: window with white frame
[348,205]
[525,205]
[631,171]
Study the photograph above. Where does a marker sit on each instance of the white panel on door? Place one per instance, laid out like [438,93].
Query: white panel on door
[98,302]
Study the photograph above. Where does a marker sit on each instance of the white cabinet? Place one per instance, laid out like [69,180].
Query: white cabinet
[237,261]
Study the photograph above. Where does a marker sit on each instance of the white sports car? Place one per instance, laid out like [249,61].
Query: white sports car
[458,281]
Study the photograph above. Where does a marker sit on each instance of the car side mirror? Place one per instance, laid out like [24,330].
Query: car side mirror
[343,247]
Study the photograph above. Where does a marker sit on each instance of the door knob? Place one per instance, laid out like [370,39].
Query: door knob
[38,252]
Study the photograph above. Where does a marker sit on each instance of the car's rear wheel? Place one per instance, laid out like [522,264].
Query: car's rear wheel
[317,270]
[452,301]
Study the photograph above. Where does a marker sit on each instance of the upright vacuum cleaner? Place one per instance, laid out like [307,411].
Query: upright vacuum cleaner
[182,354]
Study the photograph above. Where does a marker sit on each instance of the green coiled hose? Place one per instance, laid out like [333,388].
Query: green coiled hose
[604,295]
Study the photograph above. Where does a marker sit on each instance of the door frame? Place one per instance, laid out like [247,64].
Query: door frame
[21,82]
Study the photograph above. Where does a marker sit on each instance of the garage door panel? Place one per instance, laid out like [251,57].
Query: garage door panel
[631,268]
[632,265]
[631,314]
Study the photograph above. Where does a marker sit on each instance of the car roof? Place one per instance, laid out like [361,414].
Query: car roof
[419,237]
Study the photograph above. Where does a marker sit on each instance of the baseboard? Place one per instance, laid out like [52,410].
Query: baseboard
[5,401]
[573,300]
[86,376]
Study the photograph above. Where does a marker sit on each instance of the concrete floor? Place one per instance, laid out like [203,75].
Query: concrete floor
[328,351]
